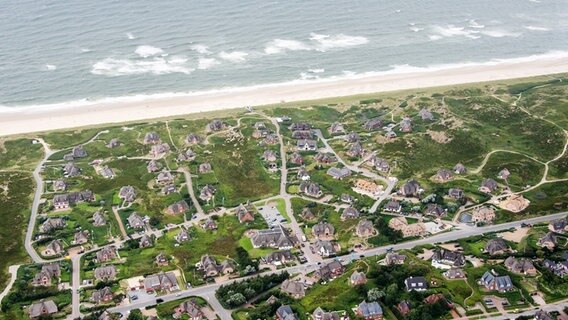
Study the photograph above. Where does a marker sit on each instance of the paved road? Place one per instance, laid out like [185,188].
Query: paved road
[458,233]
[13,275]
[35,205]
[190,190]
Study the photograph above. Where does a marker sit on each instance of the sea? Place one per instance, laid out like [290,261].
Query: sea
[55,52]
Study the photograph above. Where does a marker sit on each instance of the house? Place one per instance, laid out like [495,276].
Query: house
[352,137]
[504,174]
[398,223]
[207,193]
[543,315]
[381,165]
[159,149]
[81,196]
[78,152]
[189,308]
[135,221]
[269,155]
[323,230]
[437,297]
[310,189]
[455,193]
[336,128]
[179,207]
[346,198]
[454,273]
[416,283]
[426,115]
[209,266]
[325,158]
[42,308]
[306,145]
[406,124]
[369,310]
[558,268]
[446,259]
[355,150]
[488,185]
[106,254]
[404,307]
[390,134]
[435,210]
[349,213]
[105,273]
[460,168]
[520,266]
[103,295]
[411,189]
[325,248]
[46,275]
[373,124]
[164,177]
[319,314]
[294,288]
[278,238]
[61,201]
[338,173]
[394,258]
[307,214]
[302,134]
[296,159]
[364,228]
[357,278]
[483,214]
[284,312]
[210,224]
[558,226]
[368,188]
[499,283]
[193,138]
[71,170]
[127,193]
[106,172]
[188,155]
[59,185]
[393,206]
[53,248]
[151,138]
[496,246]
[330,271]
[303,174]
[443,175]
[215,125]
[204,167]
[52,224]
[299,126]
[278,257]
[153,166]
[163,281]
[145,241]
[271,139]
[162,260]
[549,241]
[98,219]
[81,237]
[183,236]
[113,143]
[244,214]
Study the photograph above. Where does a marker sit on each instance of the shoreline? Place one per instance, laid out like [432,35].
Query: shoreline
[22,120]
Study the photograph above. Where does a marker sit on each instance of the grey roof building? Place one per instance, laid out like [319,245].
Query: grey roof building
[416,283]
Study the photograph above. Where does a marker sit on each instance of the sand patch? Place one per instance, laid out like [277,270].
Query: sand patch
[439,136]
[515,236]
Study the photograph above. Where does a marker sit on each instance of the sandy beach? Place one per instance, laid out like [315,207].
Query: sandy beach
[36,119]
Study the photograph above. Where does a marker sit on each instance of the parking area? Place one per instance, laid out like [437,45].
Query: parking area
[140,295]
[271,215]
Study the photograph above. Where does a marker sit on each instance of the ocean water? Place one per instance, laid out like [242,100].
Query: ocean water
[59,51]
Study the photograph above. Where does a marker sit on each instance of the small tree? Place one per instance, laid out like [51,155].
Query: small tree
[375,294]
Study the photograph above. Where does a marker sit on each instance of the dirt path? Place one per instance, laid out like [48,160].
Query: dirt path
[120,224]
